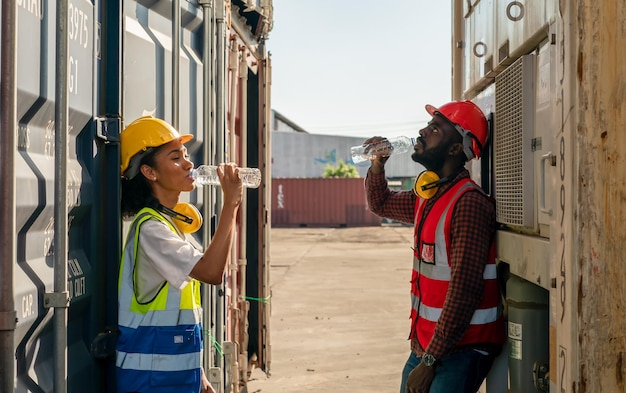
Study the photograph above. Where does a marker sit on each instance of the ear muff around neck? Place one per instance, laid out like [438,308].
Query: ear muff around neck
[427,184]
[187,217]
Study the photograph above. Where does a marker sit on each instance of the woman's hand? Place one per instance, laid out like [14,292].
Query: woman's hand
[231,183]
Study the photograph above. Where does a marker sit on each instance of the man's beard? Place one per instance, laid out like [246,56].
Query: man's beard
[432,159]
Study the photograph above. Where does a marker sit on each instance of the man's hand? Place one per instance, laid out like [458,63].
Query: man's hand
[378,163]
[420,379]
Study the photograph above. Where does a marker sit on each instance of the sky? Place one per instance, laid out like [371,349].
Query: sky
[360,68]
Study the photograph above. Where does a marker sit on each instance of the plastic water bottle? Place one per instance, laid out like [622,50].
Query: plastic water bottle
[207,175]
[384,148]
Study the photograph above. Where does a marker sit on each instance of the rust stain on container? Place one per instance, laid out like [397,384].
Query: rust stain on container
[320,202]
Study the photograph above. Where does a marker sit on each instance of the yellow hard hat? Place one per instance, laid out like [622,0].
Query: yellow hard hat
[144,133]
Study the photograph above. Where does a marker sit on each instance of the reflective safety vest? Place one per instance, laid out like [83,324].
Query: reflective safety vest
[160,341]
[431,275]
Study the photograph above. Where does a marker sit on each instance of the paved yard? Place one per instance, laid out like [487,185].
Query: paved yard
[340,307]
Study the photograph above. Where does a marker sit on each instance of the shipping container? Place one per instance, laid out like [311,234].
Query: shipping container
[74,73]
[549,76]
[331,202]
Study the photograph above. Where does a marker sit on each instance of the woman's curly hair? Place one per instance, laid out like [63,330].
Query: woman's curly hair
[136,192]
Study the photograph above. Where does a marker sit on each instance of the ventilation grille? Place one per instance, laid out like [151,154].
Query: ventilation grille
[513,131]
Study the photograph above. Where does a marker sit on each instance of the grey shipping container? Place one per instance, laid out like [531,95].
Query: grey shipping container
[63,107]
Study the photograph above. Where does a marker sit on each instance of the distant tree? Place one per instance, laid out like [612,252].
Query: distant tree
[341,170]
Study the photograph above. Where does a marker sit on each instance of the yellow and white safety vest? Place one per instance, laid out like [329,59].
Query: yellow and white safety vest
[160,341]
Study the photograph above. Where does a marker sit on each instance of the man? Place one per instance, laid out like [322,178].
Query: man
[457,328]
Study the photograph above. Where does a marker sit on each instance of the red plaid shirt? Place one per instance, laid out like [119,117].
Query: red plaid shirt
[472,230]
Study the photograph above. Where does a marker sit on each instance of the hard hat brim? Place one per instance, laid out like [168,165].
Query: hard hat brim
[431,109]
[185,138]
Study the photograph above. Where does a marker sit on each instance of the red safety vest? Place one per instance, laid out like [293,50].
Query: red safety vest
[431,275]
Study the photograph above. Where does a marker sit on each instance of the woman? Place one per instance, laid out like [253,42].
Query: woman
[160,335]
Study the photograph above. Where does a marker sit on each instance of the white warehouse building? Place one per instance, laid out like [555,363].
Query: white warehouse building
[299,154]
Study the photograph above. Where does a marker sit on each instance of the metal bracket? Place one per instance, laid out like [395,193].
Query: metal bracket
[56,299]
[229,348]
[541,377]
[103,346]
[551,159]
[108,128]
[8,320]
[215,378]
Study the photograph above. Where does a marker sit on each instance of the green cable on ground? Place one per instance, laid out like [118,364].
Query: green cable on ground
[265,300]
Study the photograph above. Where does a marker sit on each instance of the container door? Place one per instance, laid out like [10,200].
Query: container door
[519,24]
[479,43]
[35,202]
[258,248]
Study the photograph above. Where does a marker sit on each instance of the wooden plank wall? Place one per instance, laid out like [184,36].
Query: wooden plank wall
[601,190]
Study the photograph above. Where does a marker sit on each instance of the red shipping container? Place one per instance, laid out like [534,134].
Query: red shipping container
[335,202]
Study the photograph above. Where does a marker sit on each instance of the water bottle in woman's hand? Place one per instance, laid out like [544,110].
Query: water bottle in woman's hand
[207,175]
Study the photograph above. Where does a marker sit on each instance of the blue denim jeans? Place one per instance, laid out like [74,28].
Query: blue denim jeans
[461,372]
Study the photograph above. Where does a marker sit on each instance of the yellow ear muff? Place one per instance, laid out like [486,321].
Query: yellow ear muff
[189,210]
[426,184]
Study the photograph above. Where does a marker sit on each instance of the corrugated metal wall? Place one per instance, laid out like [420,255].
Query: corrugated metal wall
[35,196]
[121,65]
[320,202]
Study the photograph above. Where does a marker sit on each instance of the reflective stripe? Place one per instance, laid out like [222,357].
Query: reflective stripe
[414,302]
[174,296]
[160,318]
[491,272]
[442,273]
[435,272]
[480,317]
[157,362]
[127,255]
[441,253]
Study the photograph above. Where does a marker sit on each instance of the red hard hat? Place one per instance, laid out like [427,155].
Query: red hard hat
[471,119]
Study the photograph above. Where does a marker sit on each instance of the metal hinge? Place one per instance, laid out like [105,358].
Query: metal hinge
[108,128]
[8,320]
[56,299]
[535,144]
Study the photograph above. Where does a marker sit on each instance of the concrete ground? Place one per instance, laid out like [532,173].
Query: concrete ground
[340,310]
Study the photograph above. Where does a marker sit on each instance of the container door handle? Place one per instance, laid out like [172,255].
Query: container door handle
[542,192]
